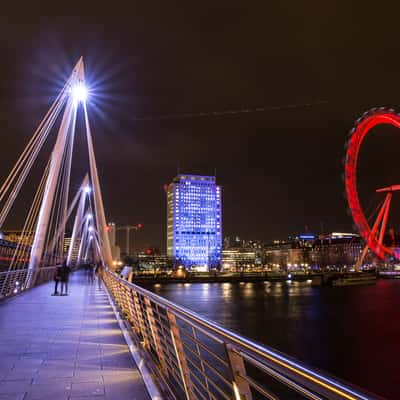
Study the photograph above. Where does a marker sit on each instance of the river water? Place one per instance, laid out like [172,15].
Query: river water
[350,332]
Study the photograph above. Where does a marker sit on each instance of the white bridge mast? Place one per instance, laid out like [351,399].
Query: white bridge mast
[73,95]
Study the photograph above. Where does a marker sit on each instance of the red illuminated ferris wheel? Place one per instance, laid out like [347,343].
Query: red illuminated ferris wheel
[374,235]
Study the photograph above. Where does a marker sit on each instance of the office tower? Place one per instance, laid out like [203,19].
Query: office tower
[194,221]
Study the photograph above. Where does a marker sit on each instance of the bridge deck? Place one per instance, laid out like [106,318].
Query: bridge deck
[68,347]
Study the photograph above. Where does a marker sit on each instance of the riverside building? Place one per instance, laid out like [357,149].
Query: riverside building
[194,221]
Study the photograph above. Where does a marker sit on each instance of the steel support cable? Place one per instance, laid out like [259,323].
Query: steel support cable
[85,222]
[78,228]
[97,242]
[53,213]
[30,156]
[91,208]
[31,221]
[23,256]
[55,108]
[97,196]
[59,206]
[14,192]
[21,179]
[61,200]
[81,194]
[69,212]
[84,233]
[97,238]
[46,253]
[32,214]
[100,240]
[67,178]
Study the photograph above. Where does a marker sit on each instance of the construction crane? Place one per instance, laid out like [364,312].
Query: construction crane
[128,229]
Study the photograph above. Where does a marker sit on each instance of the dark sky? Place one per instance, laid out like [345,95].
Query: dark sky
[280,170]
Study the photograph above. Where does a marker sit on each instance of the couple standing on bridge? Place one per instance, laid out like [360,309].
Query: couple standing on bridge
[61,275]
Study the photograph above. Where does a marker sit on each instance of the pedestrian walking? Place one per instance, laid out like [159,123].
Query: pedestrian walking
[98,271]
[91,273]
[64,278]
[57,277]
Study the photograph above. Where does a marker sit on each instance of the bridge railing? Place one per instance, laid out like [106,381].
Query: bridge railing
[198,359]
[13,282]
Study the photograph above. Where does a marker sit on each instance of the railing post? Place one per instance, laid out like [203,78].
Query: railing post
[241,387]
[132,312]
[154,332]
[180,356]
[201,362]
[142,326]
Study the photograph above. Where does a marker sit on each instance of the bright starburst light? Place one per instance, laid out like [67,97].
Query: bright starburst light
[80,92]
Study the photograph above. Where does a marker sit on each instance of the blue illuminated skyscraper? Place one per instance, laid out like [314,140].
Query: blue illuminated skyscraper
[194,221]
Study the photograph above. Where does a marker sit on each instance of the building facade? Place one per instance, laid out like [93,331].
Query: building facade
[241,255]
[335,250]
[194,221]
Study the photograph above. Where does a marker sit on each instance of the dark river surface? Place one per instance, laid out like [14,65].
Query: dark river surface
[350,332]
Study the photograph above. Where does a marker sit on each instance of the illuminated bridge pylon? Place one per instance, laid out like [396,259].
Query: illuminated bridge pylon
[51,208]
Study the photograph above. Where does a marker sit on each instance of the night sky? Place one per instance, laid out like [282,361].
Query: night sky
[150,64]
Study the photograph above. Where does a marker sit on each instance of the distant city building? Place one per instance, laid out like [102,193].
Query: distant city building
[151,261]
[115,250]
[111,230]
[194,221]
[17,236]
[310,251]
[235,259]
[240,255]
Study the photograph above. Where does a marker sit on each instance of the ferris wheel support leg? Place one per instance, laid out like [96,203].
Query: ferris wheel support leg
[385,218]
[359,262]
[383,212]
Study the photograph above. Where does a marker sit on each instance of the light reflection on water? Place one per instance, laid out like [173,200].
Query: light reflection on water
[350,331]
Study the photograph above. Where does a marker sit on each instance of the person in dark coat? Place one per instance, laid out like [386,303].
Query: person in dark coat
[57,277]
[64,278]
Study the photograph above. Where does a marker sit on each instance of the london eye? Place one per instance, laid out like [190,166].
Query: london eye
[372,233]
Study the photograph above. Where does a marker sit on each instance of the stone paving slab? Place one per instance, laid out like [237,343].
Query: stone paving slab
[65,348]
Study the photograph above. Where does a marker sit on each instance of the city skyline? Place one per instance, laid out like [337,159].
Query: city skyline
[199,201]
[288,159]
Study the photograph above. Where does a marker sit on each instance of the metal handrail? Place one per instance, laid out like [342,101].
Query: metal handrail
[14,282]
[251,369]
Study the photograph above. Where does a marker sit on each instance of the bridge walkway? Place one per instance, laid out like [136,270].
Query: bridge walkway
[65,347]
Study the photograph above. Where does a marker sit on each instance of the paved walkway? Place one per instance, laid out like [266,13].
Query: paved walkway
[65,348]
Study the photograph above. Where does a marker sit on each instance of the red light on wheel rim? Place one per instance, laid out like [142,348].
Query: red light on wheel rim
[359,133]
